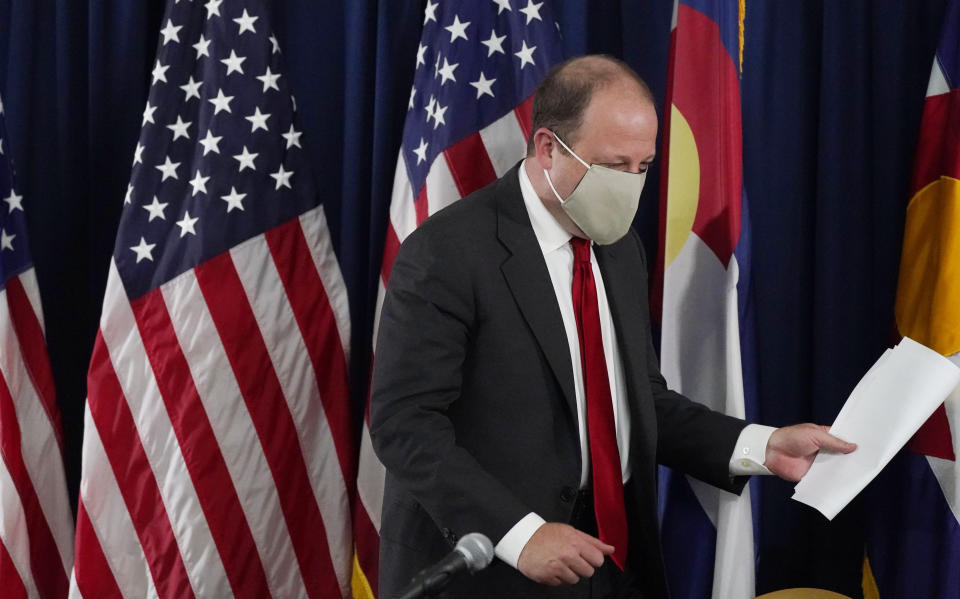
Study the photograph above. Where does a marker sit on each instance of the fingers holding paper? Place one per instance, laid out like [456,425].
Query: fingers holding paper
[792,449]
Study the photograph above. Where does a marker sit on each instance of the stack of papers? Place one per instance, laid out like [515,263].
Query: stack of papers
[896,396]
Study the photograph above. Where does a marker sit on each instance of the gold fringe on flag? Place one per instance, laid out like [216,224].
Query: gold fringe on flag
[741,17]
[870,590]
[358,583]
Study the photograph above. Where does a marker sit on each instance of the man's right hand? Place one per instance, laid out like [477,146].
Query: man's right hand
[560,554]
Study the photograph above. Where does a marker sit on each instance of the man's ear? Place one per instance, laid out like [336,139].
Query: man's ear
[543,146]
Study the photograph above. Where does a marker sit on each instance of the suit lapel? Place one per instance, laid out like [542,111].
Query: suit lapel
[529,281]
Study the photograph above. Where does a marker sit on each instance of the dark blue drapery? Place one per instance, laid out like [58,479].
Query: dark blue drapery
[832,93]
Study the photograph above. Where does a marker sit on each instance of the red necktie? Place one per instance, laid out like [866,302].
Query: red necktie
[604,455]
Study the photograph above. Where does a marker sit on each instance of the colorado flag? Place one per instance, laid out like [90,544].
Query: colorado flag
[704,238]
[913,541]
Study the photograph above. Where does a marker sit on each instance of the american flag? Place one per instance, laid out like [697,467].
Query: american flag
[36,525]
[468,120]
[217,455]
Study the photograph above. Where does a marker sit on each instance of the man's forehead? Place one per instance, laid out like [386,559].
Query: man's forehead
[621,94]
[632,114]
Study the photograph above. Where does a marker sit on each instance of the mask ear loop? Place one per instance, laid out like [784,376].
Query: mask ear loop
[572,153]
[547,175]
[554,189]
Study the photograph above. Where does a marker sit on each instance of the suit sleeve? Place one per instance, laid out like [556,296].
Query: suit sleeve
[691,437]
[422,341]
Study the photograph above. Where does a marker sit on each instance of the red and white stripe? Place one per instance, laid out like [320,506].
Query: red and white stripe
[217,457]
[458,171]
[36,524]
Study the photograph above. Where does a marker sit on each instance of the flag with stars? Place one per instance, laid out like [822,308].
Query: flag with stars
[468,120]
[217,455]
[36,524]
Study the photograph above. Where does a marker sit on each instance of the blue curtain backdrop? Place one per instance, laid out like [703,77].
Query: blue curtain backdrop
[832,97]
[832,93]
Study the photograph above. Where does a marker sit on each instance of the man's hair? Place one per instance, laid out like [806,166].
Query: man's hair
[564,93]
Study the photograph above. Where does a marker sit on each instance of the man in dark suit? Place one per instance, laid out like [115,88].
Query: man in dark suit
[516,391]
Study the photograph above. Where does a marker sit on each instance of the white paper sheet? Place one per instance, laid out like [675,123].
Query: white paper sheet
[896,396]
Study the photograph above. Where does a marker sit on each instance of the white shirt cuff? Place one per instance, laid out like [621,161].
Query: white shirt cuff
[750,453]
[512,543]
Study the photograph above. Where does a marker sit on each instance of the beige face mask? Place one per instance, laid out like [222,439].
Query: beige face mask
[604,202]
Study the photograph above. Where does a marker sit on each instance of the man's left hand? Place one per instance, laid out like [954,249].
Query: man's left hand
[791,449]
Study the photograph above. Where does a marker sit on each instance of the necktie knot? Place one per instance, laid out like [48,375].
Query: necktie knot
[581,250]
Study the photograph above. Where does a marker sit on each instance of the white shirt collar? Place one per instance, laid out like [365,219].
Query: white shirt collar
[550,235]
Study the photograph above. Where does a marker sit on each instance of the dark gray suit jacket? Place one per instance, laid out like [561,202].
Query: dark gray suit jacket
[473,410]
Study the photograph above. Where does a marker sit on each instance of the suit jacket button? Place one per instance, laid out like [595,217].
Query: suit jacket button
[448,535]
[568,494]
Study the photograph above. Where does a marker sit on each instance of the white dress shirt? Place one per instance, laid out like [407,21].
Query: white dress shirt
[554,241]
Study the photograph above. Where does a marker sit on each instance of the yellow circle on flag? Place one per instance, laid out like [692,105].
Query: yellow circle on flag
[683,185]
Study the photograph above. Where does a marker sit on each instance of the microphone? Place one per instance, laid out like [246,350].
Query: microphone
[473,552]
